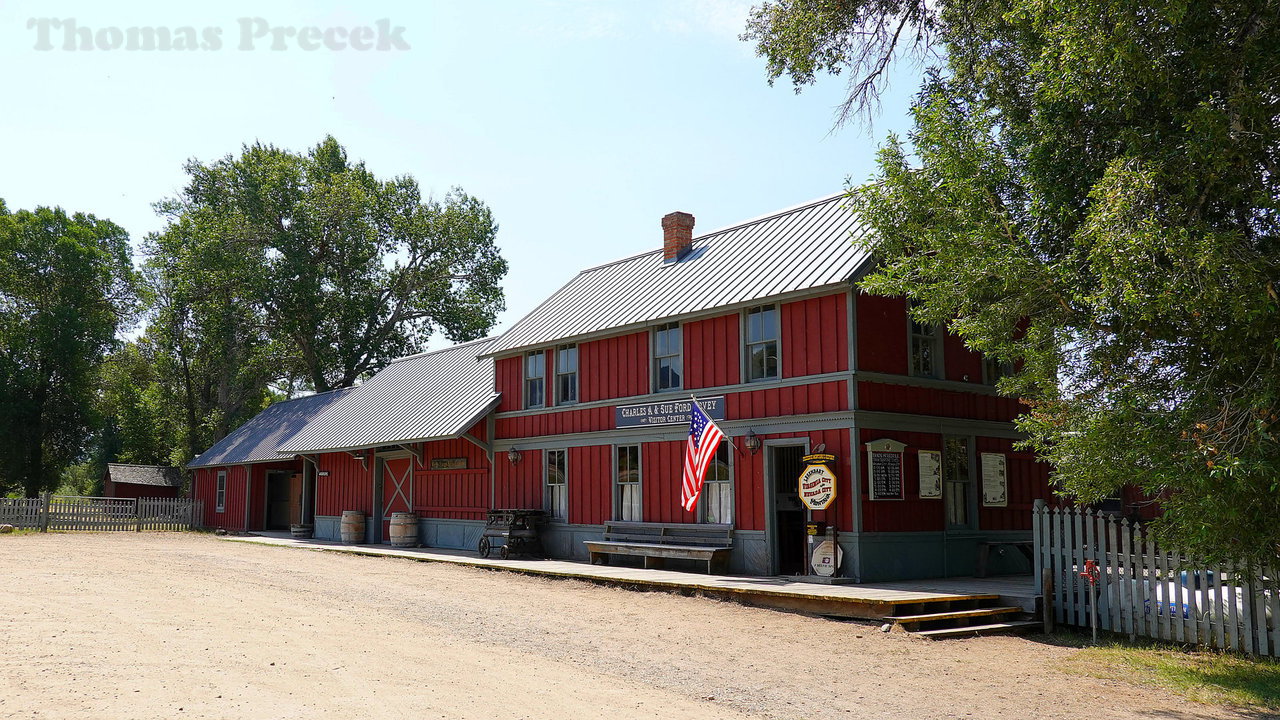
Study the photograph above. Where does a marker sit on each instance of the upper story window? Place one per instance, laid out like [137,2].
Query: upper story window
[535,373]
[668,358]
[926,339]
[762,343]
[220,499]
[556,497]
[993,370]
[566,374]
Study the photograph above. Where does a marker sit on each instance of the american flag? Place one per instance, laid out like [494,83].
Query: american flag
[704,439]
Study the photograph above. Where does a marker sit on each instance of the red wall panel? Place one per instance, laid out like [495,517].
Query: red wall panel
[962,364]
[913,513]
[1028,481]
[882,334]
[749,480]
[815,336]
[519,485]
[663,466]
[712,352]
[452,494]
[348,486]
[613,367]
[232,516]
[792,400]
[590,484]
[508,379]
[943,403]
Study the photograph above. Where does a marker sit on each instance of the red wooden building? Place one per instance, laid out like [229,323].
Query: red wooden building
[581,407]
[761,321]
[123,480]
[247,484]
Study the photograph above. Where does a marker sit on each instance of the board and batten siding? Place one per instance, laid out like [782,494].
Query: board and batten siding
[453,494]
[815,336]
[882,334]
[1028,481]
[712,351]
[519,485]
[508,380]
[232,516]
[887,397]
[613,367]
[590,484]
[348,486]
[913,513]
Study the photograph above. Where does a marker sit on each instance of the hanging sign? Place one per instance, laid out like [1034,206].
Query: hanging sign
[667,412]
[995,481]
[884,469]
[459,463]
[930,474]
[817,485]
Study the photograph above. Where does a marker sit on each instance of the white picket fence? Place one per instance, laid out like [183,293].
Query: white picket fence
[1145,591]
[68,512]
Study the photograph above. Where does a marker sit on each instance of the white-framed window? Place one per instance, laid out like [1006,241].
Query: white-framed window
[556,491]
[717,489]
[535,379]
[220,496]
[926,355]
[566,374]
[668,357]
[627,484]
[762,343]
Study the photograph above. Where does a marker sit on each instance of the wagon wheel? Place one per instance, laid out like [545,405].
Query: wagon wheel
[504,552]
[484,547]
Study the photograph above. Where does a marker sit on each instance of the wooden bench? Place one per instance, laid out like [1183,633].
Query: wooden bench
[656,542]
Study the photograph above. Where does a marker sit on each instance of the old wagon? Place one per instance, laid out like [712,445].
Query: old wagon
[518,530]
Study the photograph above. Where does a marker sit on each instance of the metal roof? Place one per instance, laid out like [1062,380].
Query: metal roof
[421,397]
[259,439]
[801,248]
[161,475]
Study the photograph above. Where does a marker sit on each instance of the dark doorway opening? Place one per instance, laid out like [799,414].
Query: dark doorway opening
[284,500]
[789,552]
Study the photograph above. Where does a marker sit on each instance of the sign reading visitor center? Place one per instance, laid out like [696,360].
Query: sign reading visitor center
[666,412]
[817,483]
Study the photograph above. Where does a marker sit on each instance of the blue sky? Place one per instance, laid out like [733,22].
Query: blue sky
[579,122]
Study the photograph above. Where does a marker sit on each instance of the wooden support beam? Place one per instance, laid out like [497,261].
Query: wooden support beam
[416,451]
[486,447]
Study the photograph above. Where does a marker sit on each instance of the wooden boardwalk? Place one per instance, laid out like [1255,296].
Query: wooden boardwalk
[866,601]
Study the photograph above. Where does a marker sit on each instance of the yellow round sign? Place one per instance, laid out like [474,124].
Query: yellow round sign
[817,487]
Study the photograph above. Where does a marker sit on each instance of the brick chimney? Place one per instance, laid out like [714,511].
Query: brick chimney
[677,235]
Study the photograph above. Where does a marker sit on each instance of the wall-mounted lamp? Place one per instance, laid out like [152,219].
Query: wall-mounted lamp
[513,455]
[752,442]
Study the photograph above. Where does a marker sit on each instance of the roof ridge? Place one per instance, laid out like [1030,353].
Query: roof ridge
[445,349]
[170,467]
[721,231]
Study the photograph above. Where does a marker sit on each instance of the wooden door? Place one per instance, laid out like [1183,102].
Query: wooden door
[397,486]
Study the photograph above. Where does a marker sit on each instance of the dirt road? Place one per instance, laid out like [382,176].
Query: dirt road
[124,625]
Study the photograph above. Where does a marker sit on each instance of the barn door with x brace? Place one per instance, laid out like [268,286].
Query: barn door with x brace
[397,487]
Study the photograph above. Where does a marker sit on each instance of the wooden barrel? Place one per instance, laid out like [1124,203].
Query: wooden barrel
[352,527]
[300,531]
[404,529]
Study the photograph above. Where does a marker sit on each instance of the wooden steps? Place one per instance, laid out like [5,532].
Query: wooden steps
[975,630]
[959,617]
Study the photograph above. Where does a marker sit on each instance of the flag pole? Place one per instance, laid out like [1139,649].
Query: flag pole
[704,412]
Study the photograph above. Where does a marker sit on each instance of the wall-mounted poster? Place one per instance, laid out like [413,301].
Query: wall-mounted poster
[995,482]
[930,474]
[884,469]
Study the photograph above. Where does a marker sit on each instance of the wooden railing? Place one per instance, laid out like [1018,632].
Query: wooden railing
[1143,590]
[68,512]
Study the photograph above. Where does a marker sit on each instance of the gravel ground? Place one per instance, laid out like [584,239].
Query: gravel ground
[152,625]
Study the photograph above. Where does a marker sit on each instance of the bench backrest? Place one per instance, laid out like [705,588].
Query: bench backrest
[698,534]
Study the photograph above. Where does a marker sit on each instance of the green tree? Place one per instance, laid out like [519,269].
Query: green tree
[1089,189]
[341,271]
[66,286]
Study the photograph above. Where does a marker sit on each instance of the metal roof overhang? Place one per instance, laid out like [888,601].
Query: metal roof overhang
[458,433]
